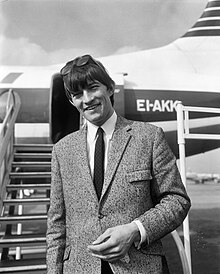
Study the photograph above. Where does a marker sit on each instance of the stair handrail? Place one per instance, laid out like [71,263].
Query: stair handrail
[183,133]
[182,252]
[7,140]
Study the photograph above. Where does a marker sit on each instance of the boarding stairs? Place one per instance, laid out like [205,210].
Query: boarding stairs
[25,210]
[24,198]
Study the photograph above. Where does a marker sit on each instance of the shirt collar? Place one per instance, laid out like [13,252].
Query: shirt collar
[108,127]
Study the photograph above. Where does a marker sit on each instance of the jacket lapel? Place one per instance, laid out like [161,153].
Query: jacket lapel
[83,162]
[119,142]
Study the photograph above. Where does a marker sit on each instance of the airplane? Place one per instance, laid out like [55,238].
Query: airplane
[149,84]
[201,178]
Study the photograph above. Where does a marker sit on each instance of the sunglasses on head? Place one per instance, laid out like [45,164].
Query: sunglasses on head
[78,62]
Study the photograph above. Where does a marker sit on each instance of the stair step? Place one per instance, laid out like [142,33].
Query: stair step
[33,147]
[31,164]
[23,175]
[22,218]
[26,201]
[27,186]
[22,269]
[22,240]
[27,250]
[32,155]
[22,266]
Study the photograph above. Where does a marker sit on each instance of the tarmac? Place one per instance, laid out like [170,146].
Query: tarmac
[204,224]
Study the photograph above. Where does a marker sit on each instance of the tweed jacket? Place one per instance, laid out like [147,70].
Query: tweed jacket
[141,182]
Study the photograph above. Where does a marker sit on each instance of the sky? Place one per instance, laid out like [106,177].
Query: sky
[44,32]
[47,32]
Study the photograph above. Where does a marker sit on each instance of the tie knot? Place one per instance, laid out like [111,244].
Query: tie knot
[100,132]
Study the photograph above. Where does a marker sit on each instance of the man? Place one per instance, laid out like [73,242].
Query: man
[115,191]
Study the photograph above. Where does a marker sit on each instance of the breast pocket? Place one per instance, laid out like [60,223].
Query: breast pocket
[138,178]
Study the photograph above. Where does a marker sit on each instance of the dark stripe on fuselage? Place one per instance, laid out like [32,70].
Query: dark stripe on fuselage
[210,32]
[213,4]
[159,105]
[210,13]
[143,105]
[207,23]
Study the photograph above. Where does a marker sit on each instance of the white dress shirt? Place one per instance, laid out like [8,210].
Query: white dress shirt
[108,128]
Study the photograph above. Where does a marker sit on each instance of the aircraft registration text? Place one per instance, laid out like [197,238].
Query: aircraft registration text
[156,105]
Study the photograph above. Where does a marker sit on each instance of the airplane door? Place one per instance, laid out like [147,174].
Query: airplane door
[119,96]
[63,116]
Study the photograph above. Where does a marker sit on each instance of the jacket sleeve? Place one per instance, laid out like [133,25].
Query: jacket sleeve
[171,202]
[56,231]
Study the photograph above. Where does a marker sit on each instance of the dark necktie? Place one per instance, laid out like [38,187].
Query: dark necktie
[99,162]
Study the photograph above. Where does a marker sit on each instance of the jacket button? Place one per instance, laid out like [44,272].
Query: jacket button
[100,216]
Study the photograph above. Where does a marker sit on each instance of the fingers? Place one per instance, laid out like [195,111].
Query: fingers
[102,238]
[106,251]
[105,248]
[101,246]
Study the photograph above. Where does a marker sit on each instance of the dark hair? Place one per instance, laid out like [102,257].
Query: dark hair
[79,73]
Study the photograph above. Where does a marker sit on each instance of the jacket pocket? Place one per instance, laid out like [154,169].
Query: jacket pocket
[67,253]
[153,249]
[138,176]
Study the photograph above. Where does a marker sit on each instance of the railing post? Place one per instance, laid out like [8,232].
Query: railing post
[6,140]
[182,158]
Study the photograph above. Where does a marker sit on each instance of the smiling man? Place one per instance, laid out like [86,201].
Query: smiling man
[115,190]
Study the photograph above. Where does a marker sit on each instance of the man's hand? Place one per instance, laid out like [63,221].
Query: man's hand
[115,242]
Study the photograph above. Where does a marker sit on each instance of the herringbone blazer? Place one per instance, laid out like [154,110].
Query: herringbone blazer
[141,182]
